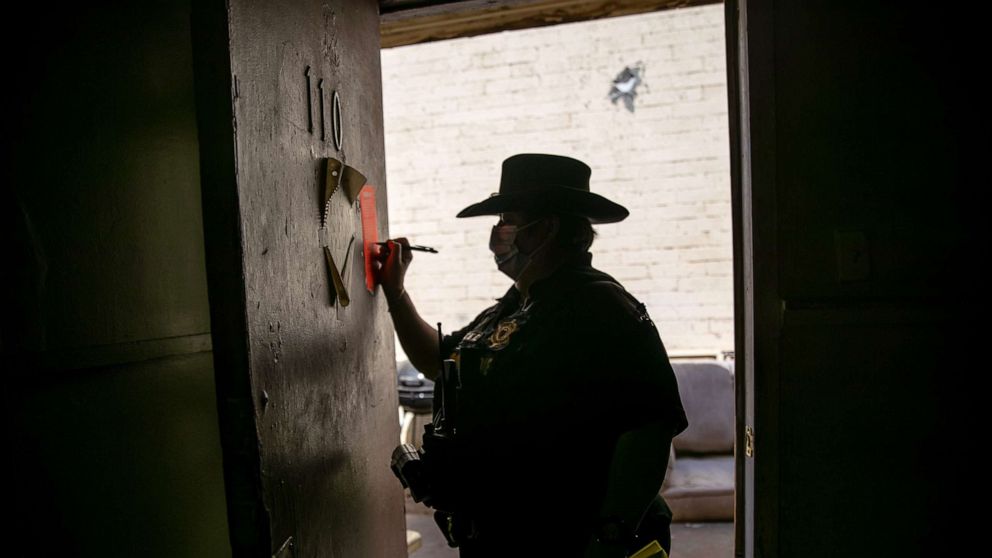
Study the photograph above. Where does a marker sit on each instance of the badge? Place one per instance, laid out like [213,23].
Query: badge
[501,337]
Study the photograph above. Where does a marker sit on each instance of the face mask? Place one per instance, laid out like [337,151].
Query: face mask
[509,259]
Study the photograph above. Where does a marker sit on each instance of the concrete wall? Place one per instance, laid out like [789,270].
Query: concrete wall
[455,109]
[307,384]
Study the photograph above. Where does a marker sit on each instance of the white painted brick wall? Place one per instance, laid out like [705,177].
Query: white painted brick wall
[455,109]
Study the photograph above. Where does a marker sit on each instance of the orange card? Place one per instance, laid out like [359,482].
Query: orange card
[370,231]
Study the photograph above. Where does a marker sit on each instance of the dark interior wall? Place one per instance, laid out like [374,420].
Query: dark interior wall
[858,164]
[121,460]
[105,168]
[107,371]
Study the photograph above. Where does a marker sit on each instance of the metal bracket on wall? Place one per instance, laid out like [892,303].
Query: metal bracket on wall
[337,284]
[339,175]
[286,550]
[332,179]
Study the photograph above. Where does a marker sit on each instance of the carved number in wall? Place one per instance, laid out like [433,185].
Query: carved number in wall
[306,73]
[337,128]
[336,120]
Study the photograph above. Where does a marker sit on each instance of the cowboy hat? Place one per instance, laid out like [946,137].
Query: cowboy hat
[540,183]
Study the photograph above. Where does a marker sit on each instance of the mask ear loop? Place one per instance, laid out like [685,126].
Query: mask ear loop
[545,244]
[502,231]
[514,250]
[514,230]
[530,256]
[518,228]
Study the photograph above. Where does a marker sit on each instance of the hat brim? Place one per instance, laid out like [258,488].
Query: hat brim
[568,201]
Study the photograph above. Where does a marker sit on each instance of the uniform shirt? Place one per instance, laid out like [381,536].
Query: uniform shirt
[550,383]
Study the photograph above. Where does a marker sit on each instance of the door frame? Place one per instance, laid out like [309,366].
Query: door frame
[757,311]
[757,303]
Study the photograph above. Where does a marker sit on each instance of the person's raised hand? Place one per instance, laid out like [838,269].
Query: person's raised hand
[390,264]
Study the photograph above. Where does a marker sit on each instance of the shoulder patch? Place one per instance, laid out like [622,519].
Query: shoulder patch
[642,312]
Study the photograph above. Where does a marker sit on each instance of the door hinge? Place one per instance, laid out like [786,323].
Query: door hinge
[748,441]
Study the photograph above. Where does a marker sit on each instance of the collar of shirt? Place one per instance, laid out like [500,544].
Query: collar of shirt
[546,285]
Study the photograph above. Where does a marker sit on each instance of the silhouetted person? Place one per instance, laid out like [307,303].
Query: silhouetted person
[578,402]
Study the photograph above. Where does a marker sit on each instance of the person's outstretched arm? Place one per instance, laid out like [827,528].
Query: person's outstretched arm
[417,337]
